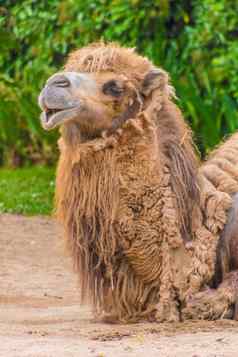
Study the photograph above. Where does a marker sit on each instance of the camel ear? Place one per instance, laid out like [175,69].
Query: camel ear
[155,79]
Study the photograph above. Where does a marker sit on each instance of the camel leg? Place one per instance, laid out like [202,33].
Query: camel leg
[212,304]
[236,310]
[221,302]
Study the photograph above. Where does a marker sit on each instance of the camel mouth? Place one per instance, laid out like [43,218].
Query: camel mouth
[53,117]
[49,112]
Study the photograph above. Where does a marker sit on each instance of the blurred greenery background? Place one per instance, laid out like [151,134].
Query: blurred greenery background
[196,41]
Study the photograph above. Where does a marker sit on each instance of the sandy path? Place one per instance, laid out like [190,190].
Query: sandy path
[40,315]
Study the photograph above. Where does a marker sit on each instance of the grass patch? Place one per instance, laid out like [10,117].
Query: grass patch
[27,191]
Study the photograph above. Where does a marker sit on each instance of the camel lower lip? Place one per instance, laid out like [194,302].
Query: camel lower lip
[50,112]
[57,118]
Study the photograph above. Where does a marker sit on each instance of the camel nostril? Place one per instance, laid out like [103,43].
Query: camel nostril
[59,80]
[62,83]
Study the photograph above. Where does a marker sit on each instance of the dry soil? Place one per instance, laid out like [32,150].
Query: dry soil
[40,315]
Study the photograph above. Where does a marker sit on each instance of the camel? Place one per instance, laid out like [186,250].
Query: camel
[152,231]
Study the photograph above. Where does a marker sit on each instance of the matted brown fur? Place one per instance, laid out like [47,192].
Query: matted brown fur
[98,57]
[141,223]
[88,214]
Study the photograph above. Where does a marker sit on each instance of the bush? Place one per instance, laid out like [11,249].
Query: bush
[194,40]
[208,84]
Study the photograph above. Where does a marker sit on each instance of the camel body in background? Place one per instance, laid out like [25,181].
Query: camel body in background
[152,232]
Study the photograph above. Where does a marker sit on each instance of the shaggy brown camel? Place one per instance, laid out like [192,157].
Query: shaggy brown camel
[152,234]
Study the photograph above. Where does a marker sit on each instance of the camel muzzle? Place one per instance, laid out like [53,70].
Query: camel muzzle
[60,100]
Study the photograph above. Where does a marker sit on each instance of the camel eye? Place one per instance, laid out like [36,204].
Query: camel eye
[112,88]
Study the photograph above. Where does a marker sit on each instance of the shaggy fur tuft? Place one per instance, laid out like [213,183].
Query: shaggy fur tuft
[88,215]
[111,57]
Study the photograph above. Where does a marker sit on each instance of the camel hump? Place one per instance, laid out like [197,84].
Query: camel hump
[219,179]
[221,166]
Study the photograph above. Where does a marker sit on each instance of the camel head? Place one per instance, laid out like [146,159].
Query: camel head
[101,86]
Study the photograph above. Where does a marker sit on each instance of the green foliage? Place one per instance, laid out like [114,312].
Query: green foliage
[196,41]
[211,72]
[27,191]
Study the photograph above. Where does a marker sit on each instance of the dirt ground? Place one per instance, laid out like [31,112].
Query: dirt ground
[40,315]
